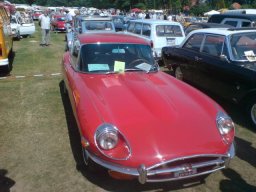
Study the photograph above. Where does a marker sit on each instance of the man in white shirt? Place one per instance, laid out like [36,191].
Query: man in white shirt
[45,23]
[69,19]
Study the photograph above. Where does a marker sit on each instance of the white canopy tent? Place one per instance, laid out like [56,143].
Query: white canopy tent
[212,12]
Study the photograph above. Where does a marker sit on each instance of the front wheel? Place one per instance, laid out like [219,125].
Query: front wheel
[251,110]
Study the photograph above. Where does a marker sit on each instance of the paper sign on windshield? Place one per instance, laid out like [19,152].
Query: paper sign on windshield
[144,67]
[98,67]
[119,66]
[250,55]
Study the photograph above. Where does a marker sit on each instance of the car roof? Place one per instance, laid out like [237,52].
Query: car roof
[209,25]
[94,18]
[112,37]
[224,31]
[156,21]
[220,17]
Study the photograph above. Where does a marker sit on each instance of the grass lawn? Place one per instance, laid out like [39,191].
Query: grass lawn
[39,141]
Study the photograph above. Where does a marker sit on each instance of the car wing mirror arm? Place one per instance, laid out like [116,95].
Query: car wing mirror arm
[224,58]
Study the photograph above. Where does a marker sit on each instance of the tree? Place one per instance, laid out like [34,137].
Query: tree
[199,10]
[30,2]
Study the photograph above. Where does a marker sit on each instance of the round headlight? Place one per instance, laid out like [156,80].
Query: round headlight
[226,127]
[107,137]
[224,123]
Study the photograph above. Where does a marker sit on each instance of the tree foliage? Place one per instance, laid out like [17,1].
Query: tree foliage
[174,6]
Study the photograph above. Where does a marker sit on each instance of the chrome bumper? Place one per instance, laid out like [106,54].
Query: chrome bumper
[167,171]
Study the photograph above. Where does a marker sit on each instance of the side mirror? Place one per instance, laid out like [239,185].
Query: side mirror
[224,58]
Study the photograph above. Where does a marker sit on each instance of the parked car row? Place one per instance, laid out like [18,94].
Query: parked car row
[195,64]
[159,33]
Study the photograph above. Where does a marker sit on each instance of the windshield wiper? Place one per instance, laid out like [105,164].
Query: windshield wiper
[137,69]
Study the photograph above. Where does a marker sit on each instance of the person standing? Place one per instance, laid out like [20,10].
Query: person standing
[45,23]
[69,20]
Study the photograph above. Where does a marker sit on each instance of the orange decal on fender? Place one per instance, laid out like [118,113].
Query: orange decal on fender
[76,96]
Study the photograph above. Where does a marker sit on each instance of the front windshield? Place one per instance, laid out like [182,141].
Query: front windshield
[168,31]
[116,58]
[243,46]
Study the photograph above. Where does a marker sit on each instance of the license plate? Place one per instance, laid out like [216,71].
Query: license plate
[185,173]
[170,41]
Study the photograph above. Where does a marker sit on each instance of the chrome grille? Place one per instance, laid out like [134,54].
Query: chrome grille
[185,167]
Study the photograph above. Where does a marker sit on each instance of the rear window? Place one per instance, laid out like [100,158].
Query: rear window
[232,23]
[168,30]
[138,27]
[246,24]
[98,25]
[61,19]
[131,27]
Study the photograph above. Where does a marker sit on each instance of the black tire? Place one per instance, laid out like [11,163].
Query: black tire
[251,110]
[178,73]
[18,36]
[161,62]
[66,47]
[7,69]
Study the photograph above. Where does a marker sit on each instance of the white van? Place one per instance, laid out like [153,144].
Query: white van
[161,33]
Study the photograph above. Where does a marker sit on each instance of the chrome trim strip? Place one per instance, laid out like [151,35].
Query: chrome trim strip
[184,177]
[181,168]
[142,172]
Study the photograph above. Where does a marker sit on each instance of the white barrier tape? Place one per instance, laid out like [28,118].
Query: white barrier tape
[36,75]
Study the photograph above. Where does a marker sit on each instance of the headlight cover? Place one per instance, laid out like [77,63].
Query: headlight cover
[111,142]
[226,127]
[107,137]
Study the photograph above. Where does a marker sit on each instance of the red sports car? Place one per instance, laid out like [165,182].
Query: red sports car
[137,121]
[58,23]
[36,14]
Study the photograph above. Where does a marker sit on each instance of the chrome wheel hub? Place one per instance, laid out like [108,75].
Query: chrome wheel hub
[253,113]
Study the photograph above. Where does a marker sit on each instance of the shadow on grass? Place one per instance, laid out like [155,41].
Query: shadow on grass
[245,151]
[101,178]
[5,182]
[235,182]
[237,113]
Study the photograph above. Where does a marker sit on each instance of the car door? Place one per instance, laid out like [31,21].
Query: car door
[187,56]
[214,72]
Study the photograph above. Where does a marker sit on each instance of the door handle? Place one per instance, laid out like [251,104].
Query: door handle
[198,58]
